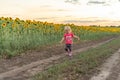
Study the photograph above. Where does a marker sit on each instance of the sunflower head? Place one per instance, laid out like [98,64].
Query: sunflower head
[3,25]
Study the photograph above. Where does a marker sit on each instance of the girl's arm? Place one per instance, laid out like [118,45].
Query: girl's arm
[76,37]
[62,40]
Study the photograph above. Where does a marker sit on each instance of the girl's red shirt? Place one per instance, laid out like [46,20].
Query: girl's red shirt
[68,38]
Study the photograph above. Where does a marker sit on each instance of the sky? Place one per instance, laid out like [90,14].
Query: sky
[79,12]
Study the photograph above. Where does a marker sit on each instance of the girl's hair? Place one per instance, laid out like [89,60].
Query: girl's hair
[68,28]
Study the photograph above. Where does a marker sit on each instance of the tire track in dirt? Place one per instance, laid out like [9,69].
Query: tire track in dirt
[110,69]
[118,76]
[115,72]
[26,71]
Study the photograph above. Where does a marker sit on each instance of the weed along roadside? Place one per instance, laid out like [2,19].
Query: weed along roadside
[82,66]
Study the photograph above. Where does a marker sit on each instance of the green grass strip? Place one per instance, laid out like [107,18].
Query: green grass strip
[81,65]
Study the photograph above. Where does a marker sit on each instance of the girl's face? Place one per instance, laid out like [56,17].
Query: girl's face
[67,31]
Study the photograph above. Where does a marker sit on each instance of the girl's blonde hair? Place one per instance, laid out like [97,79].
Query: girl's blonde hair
[68,28]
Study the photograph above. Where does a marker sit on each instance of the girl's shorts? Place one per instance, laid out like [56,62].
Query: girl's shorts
[68,47]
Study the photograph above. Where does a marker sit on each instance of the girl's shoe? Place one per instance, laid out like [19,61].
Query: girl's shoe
[70,54]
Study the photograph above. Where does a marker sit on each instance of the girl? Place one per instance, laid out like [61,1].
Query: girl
[68,38]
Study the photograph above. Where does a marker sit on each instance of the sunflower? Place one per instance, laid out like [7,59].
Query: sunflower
[3,25]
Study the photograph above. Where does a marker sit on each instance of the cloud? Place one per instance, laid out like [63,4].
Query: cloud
[72,1]
[87,2]
[96,2]
[5,14]
[62,10]
[44,18]
[84,21]
[93,22]
[9,15]
[45,6]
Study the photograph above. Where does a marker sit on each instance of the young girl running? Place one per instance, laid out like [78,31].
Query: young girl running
[68,38]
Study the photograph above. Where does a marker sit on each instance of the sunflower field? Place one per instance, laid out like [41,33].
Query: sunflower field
[17,35]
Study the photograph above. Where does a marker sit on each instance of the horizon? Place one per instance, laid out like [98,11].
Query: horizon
[78,12]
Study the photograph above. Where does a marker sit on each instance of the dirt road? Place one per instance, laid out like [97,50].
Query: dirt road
[24,72]
[110,70]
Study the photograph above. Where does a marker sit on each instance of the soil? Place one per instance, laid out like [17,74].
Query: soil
[110,70]
[34,58]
